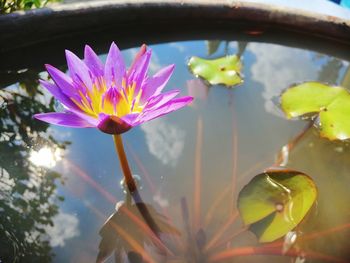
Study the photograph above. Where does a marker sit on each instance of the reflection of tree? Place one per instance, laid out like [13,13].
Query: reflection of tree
[27,192]
[213,46]
[329,72]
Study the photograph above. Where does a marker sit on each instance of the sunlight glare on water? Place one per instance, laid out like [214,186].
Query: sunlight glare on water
[45,157]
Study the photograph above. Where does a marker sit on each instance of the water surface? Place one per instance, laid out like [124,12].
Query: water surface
[58,185]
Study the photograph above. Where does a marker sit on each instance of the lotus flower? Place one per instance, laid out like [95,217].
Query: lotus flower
[109,96]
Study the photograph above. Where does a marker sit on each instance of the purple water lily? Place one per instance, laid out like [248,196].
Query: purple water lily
[109,96]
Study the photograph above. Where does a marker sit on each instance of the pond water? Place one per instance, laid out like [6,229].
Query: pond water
[59,185]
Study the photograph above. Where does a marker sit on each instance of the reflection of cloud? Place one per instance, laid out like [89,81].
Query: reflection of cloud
[278,67]
[29,195]
[181,48]
[233,45]
[59,134]
[165,141]
[155,65]
[6,183]
[65,226]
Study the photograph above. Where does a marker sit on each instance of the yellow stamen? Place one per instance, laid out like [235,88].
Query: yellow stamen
[92,103]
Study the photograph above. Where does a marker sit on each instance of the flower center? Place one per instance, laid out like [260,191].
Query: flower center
[117,101]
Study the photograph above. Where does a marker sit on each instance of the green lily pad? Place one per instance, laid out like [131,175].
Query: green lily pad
[224,70]
[332,104]
[274,202]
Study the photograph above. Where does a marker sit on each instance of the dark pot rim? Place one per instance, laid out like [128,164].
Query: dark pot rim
[37,33]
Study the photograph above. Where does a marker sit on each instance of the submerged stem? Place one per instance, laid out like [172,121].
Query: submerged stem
[131,185]
[283,156]
[129,180]
[198,175]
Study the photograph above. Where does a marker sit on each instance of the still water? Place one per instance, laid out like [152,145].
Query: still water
[58,186]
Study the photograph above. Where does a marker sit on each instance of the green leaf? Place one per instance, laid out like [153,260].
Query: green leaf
[275,202]
[28,4]
[37,3]
[331,103]
[224,70]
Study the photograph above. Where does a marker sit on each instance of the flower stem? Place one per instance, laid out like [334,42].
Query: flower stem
[131,185]
[129,180]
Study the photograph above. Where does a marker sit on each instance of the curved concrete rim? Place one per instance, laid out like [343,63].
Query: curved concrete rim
[40,29]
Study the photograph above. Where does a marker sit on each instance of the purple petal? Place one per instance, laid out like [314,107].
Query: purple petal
[112,124]
[158,101]
[130,118]
[171,106]
[82,115]
[58,94]
[139,54]
[114,68]
[93,62]
[78,71]
[140,70]
[63,119]
[63,81]
[154,85]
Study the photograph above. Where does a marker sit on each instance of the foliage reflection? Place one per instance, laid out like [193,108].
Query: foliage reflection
[28,201]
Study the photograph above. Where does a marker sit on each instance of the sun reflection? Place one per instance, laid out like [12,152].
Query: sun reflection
[45,157]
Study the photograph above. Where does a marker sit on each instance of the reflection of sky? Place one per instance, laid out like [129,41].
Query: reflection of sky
[165,141]
[166,146]
[65,226]
[277,67]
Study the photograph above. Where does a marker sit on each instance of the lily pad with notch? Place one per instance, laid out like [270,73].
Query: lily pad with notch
[331,104]
[225,70]
[275,202]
